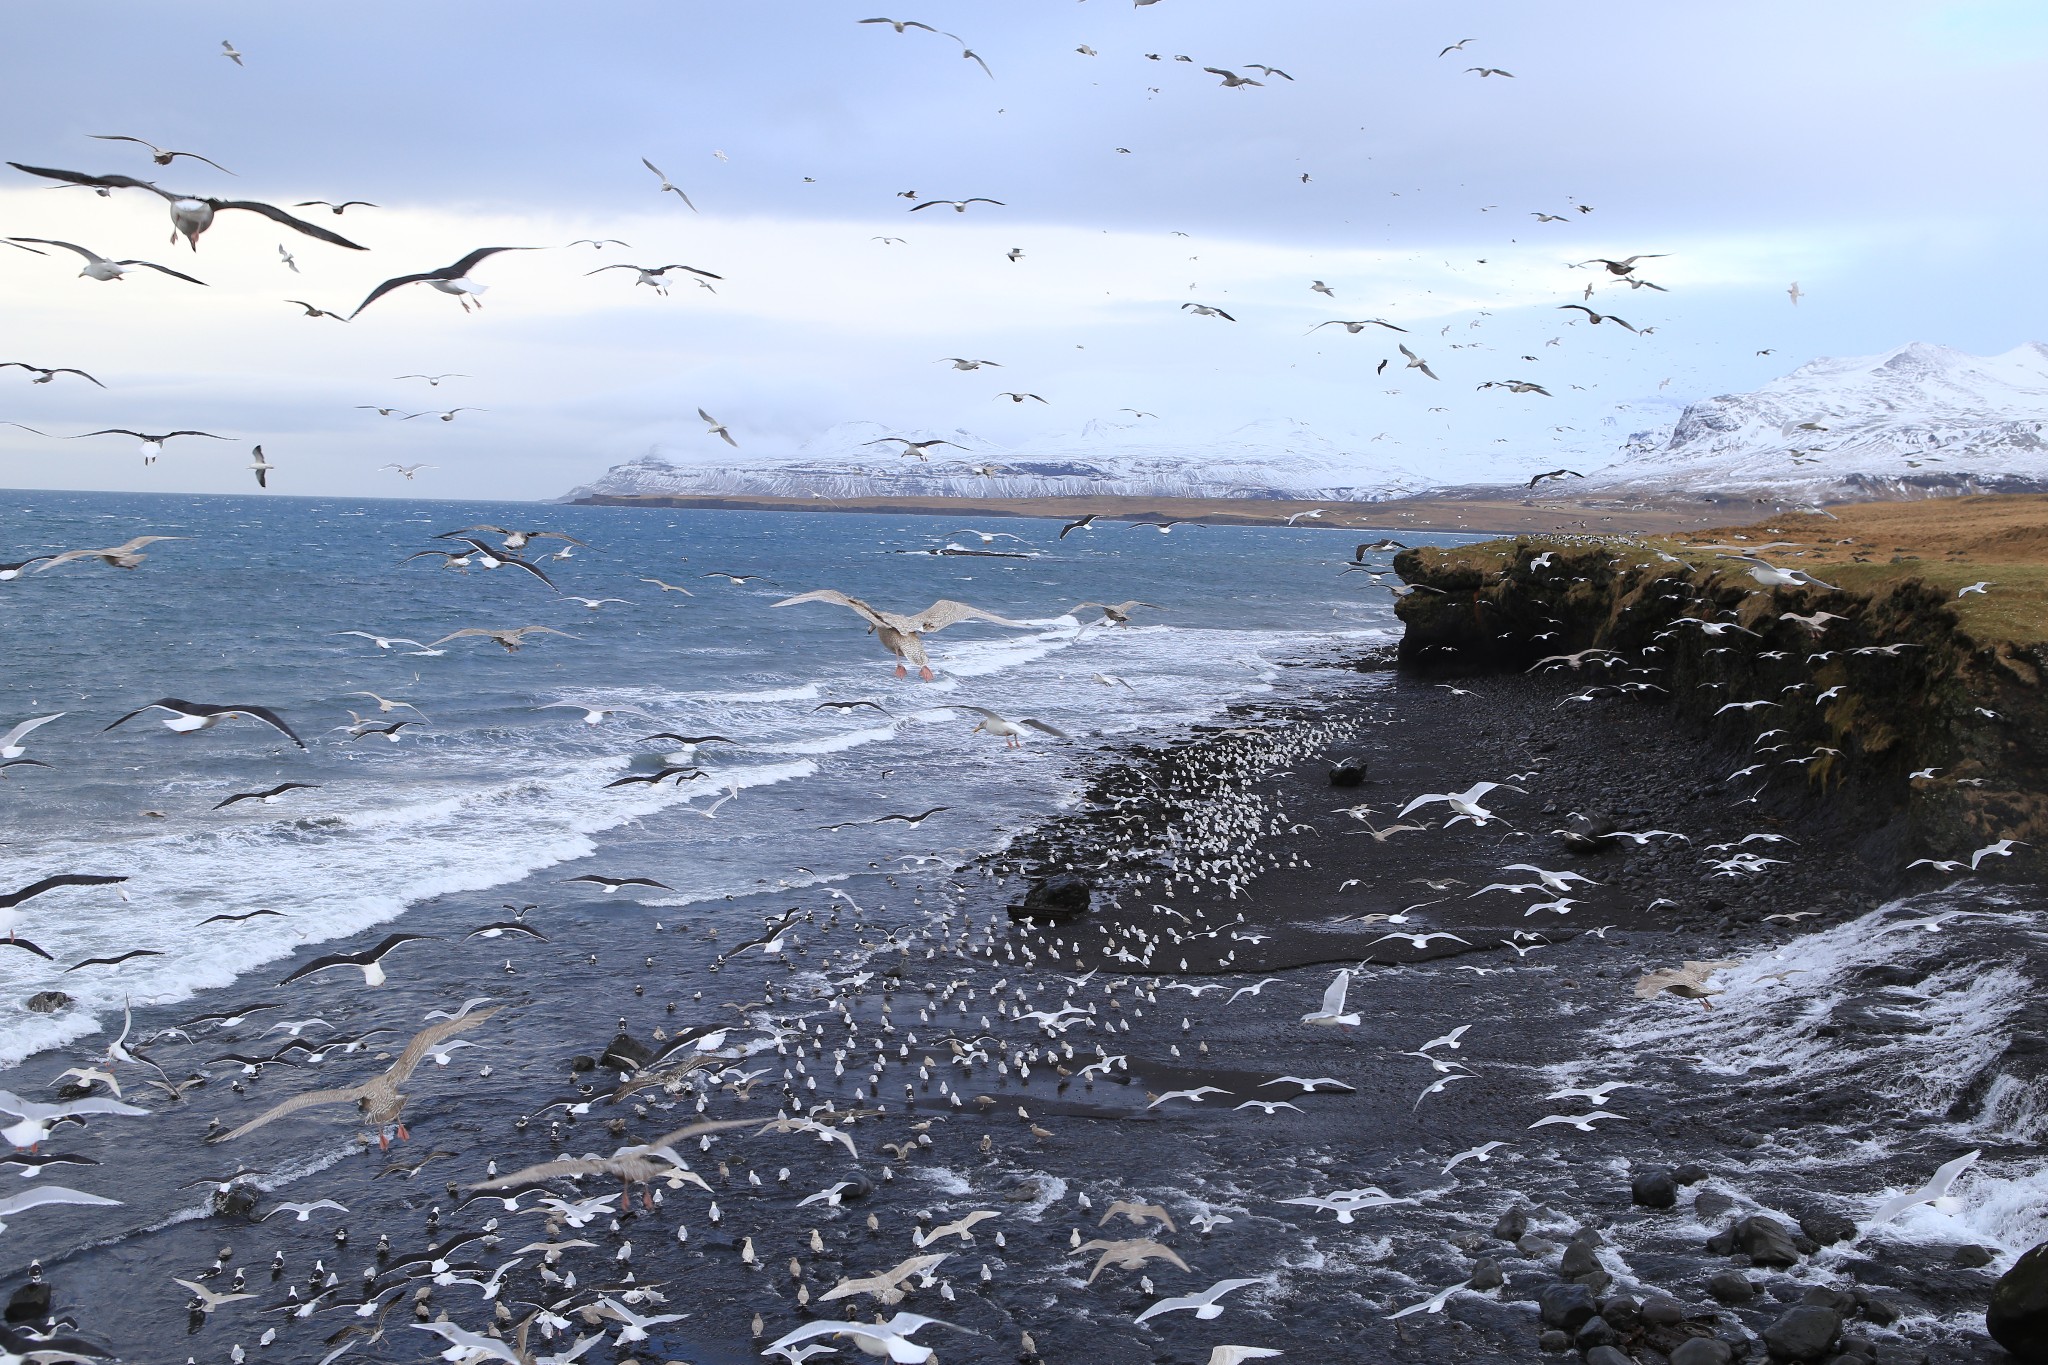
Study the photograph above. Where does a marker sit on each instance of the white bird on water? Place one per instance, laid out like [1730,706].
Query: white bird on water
[1934,1192]
[1204,1304]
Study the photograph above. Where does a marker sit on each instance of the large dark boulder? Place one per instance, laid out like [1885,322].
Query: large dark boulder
[1565,1306]
[1763,1239]
[1802,1333]
[1703,1351]
[1056,899]
[1653,1189]
[48,1002]
[2018,1316]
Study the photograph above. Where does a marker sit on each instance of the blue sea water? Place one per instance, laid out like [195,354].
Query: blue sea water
[494,789]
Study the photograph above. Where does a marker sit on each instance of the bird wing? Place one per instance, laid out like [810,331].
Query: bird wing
[946,612]
[311,1099]
[278,215]
[531,568]
[381,290]
[425,1040]
[837,598]
[1333,998]
[112,182]
[1041,726]
[270,718]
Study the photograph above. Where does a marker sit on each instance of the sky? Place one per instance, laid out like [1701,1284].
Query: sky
[1880,153]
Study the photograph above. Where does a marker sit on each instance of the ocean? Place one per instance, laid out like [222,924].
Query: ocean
[494,788]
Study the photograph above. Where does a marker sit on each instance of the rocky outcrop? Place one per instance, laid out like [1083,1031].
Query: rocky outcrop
[1892,688]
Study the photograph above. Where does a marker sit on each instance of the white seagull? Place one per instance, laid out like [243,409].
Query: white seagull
[1332,1013]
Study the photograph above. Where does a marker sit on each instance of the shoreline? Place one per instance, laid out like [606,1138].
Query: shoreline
[1548,1012]
[1482,511]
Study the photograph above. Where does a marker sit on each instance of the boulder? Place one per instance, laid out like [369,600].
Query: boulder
[1703,1351]
[1512,1224]
[1607,1355]
[236,1200]
[1349,773]
[30,1304]
[1653,1189]
[1486,1274]
[1663,1312]
[2018,1316]
[1803,1333]
[1827,1228]
[1565,1306]
[1731,1286]
[1765,1240]
[1057,899]
[1554,1341]
[1971,1256]
[48,1002]
[1579,1259]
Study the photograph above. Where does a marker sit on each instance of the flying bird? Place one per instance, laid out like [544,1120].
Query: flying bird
[336,209]
[652,274]
[1597,318]
[957,205]
[369,961]
[185,717]
[666,187]
[45,374]
[1231,80]
[159,154]
[449,279]
[1623,267]
[1556,474]
[903,635]
[191,214]
[1416,362]
[1358,326]
[98,267]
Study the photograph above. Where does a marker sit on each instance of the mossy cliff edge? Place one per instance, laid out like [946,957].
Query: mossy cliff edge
[1906,677]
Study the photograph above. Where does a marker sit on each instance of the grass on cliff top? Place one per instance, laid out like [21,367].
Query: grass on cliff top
[1949,543]
[1867,547]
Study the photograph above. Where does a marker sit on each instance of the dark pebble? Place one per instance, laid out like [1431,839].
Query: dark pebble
[1554,1341]
[1486,1274]
[1512,1224]
[1692,1173]
[1972,1256]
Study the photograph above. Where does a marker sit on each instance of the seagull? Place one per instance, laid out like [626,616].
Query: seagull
[45,375]
[1466,802]
[152,442]
[1332,1013]
[1011,732]
[302,1212]
[891,1339]
[1115,613]
[1433,1304]
[611,884]
[449,279]
[1583,1122]
[1597,1094]
[1483,1152]
[1625,266]
[917,448]
[191,214]
[447,416]
[98,267]
[369,961]
[652,274]
[37,1119]
[1689,981]
[1934,1192]
[269,796]
[1204,1304]
[1194,1096]
[190,717]
[1355,327]
[2001,849]
[510,640]
[10,743]
[1777,576]
[1311,1085]
[1085,523]
[901,24]
[408,470]
[1416,362]
[336,209]
[1020,397]
[1231,80]
[227,49]
[262,467]
[1449,1040]
[1978,588]
[1203,310]
[716,428]
[1437,1086]
[377,1099]
[668,587]
[1458,46]
[666,188]
[1597,318]
[903,635]
[957,205]
[1485,71]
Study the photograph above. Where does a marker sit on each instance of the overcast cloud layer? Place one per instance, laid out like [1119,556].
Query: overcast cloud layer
[1881,153]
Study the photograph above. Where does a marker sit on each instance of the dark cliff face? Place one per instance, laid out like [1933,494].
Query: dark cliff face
[1840,720]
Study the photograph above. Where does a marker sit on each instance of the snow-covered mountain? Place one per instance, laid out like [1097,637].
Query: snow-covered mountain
[1275,458]
[1916,421]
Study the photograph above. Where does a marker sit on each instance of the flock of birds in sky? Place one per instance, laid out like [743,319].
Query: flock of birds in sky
[551,1296]
[192,215]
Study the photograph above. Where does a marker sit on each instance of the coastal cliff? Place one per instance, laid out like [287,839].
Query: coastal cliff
[1919,713]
